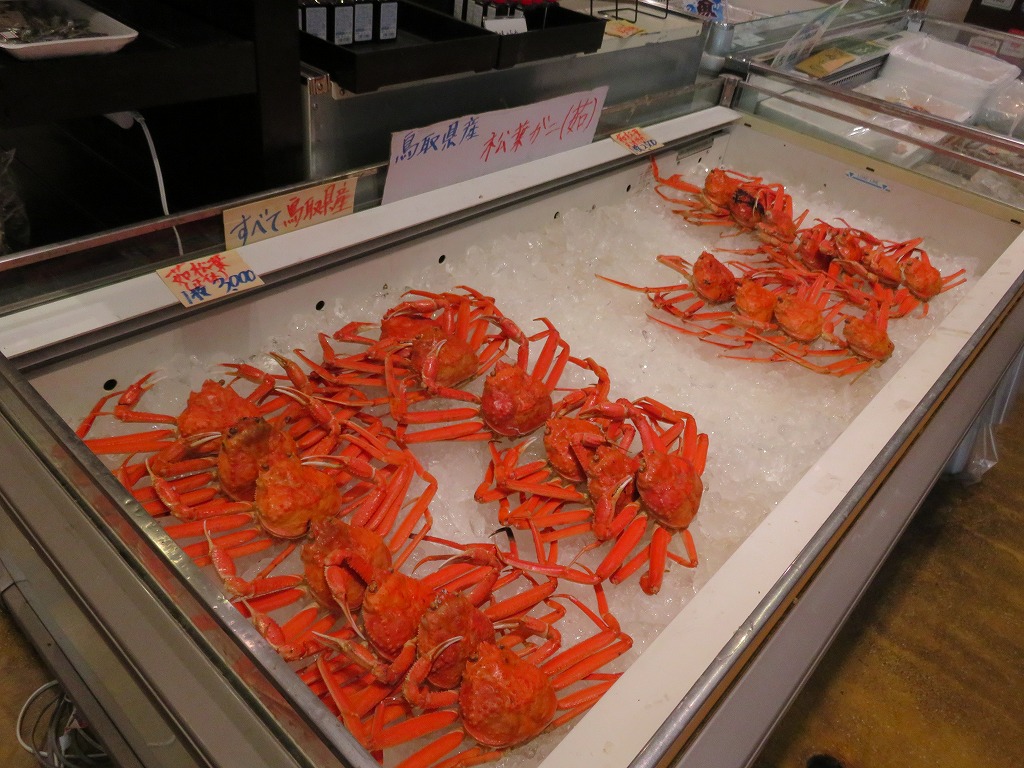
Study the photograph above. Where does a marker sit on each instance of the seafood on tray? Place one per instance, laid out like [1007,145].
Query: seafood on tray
[301,486]
[301,492]
[821,296]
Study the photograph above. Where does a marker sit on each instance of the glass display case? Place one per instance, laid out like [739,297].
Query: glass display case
[810,475]
[940,99]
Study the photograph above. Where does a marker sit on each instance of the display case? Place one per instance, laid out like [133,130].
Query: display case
[938,98]
[809,478]
[733,42]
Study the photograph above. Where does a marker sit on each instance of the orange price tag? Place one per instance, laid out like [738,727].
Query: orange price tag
[201,280]
[620,28]
[636,141]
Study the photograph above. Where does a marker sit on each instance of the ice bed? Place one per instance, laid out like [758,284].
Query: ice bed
[810,478]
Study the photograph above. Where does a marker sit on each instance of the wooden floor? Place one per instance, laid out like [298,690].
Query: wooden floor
[928,673]
[21,673]
[929,670]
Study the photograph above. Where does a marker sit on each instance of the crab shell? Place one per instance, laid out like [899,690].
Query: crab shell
[456,361]
[513,402]
[867,340]
[558,444]
[393,606]
[670,488]
[214,408]
[504,700]
[712,280]
[719,187]
[798,318]
[755,301]
[451,615]
[922,279]
[331,534]
[607,473]
[290,496]
[247,445]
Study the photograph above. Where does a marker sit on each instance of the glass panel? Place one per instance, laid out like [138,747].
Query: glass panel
[761,34]
[36,277]
[963,128]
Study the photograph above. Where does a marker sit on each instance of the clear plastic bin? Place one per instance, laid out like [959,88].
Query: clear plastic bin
[950,72]
[1003,112]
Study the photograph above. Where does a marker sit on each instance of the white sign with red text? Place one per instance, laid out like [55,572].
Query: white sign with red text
[424,159]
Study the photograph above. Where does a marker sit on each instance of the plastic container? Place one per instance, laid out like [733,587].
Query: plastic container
[1003,112]
[919,101]
[834,130]
[950,72]
[906,96]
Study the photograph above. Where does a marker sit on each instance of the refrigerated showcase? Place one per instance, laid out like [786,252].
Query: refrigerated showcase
[174,675]
[944,103]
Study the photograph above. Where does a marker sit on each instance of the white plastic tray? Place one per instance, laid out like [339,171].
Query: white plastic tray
[948,71]
[112,35]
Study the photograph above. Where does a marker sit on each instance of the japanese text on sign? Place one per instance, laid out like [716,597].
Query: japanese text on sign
[636,141]
[285,213]
[200,280]
[456,150]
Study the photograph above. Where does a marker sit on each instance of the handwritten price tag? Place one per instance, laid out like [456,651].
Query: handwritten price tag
[619,28]
[285,213]
[202,280]
[636,141]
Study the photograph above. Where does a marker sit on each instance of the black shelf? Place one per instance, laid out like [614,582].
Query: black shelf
[217,83]
[175,59]
[429,44]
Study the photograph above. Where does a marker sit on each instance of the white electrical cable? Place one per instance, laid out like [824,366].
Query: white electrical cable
[20,722]
[159,174]
[66,742]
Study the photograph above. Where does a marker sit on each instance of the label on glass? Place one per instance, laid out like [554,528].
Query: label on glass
[263,219]
[434,156]
[636,140]
[211,277]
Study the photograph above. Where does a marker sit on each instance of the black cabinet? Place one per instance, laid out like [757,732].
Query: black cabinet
[218,85]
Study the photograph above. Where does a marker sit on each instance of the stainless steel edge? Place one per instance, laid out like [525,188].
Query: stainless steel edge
[841,26]
[739,723]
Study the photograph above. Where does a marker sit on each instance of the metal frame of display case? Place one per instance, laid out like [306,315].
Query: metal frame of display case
[761,79]
[729,47]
